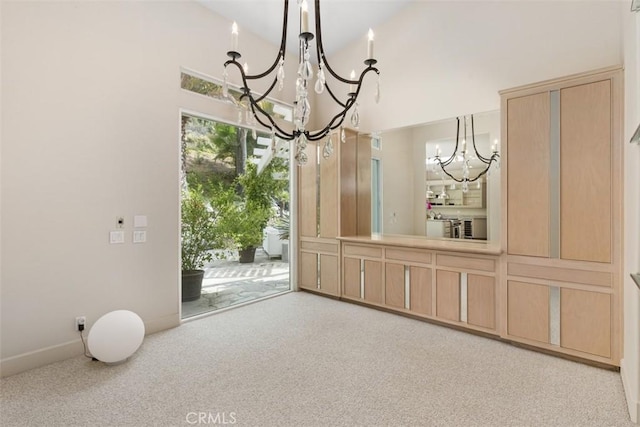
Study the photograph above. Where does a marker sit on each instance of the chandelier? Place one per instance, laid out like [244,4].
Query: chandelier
[302,109]
[464,156]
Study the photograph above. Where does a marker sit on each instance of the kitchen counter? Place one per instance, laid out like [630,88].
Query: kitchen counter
[454,245]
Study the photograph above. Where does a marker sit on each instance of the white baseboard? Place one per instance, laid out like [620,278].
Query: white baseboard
[56,353]
[35,359]
[631,391]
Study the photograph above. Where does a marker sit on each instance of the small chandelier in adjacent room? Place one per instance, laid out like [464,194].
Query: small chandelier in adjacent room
[464,156]
[275,75]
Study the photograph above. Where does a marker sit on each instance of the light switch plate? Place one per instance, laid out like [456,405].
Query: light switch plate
[140,221]
[139,236]
[116,237]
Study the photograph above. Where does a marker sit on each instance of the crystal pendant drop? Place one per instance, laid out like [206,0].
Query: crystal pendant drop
[306,112]
[355,116]
[343,135]
[301,157]
[320,81]
[307,70]
[327,151]
[377,94]
[254,134]
[301,142]
[280,74]
[465,186]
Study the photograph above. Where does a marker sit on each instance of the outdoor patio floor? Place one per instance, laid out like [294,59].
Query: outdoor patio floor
[227,283]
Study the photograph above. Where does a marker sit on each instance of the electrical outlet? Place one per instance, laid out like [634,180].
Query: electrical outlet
[80,322]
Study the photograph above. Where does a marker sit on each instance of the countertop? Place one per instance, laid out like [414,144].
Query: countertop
[440,244]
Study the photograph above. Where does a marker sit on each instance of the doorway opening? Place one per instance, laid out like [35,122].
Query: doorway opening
[234,215]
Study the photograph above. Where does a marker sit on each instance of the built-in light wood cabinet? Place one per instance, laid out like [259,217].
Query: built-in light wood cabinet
[449,287]
[330,203]
[562,234]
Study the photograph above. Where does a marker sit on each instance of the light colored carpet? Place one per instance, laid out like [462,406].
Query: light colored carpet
[304,360]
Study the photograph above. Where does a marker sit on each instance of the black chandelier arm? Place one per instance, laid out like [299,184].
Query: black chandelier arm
[491,160]
[455,150]
[484,160]
[268,71]
[336,100]
[246,77]
[272,124]
[484,171]
[315,136]
[320,48]
[283,46]
[448,174]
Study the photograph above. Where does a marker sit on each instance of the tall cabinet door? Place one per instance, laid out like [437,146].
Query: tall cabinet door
[528,175]
[585,172]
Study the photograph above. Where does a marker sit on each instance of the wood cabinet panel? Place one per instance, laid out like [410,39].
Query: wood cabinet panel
[328,188]
[373,281]
[448,295]
[351,277]
[368,251]
[528,311]
[585,321]
[363,178]
[528,127]
[348,186]
[394,285]
[410,255]
[560,274]
[585,172]
[420,290]
[315,246]
[467,263]
[308,275]
[481,301]
[329,274]
[307,195]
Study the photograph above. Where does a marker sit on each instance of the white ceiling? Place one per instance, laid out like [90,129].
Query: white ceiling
[343,21]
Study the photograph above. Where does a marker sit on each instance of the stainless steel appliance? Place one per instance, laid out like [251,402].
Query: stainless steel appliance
[475,228]
[456,229]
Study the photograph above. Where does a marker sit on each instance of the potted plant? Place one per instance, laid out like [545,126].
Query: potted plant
[199,235]
[244,212]
[241,222]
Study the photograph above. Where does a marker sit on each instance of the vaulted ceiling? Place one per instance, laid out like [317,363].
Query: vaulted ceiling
[343,21]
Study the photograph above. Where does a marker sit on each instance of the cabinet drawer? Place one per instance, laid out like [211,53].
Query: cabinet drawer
[466,263]
[368,251]
[408,255]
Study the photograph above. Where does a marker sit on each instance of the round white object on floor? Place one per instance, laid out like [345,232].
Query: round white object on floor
[115,336]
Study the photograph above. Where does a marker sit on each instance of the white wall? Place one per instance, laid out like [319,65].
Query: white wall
[444,59]
[630,369]
[90,112]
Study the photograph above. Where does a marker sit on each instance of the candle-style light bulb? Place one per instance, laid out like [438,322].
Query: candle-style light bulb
[234,37]
[494,147]
[437,151]
[370,44]
[304,18]
[245,67]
